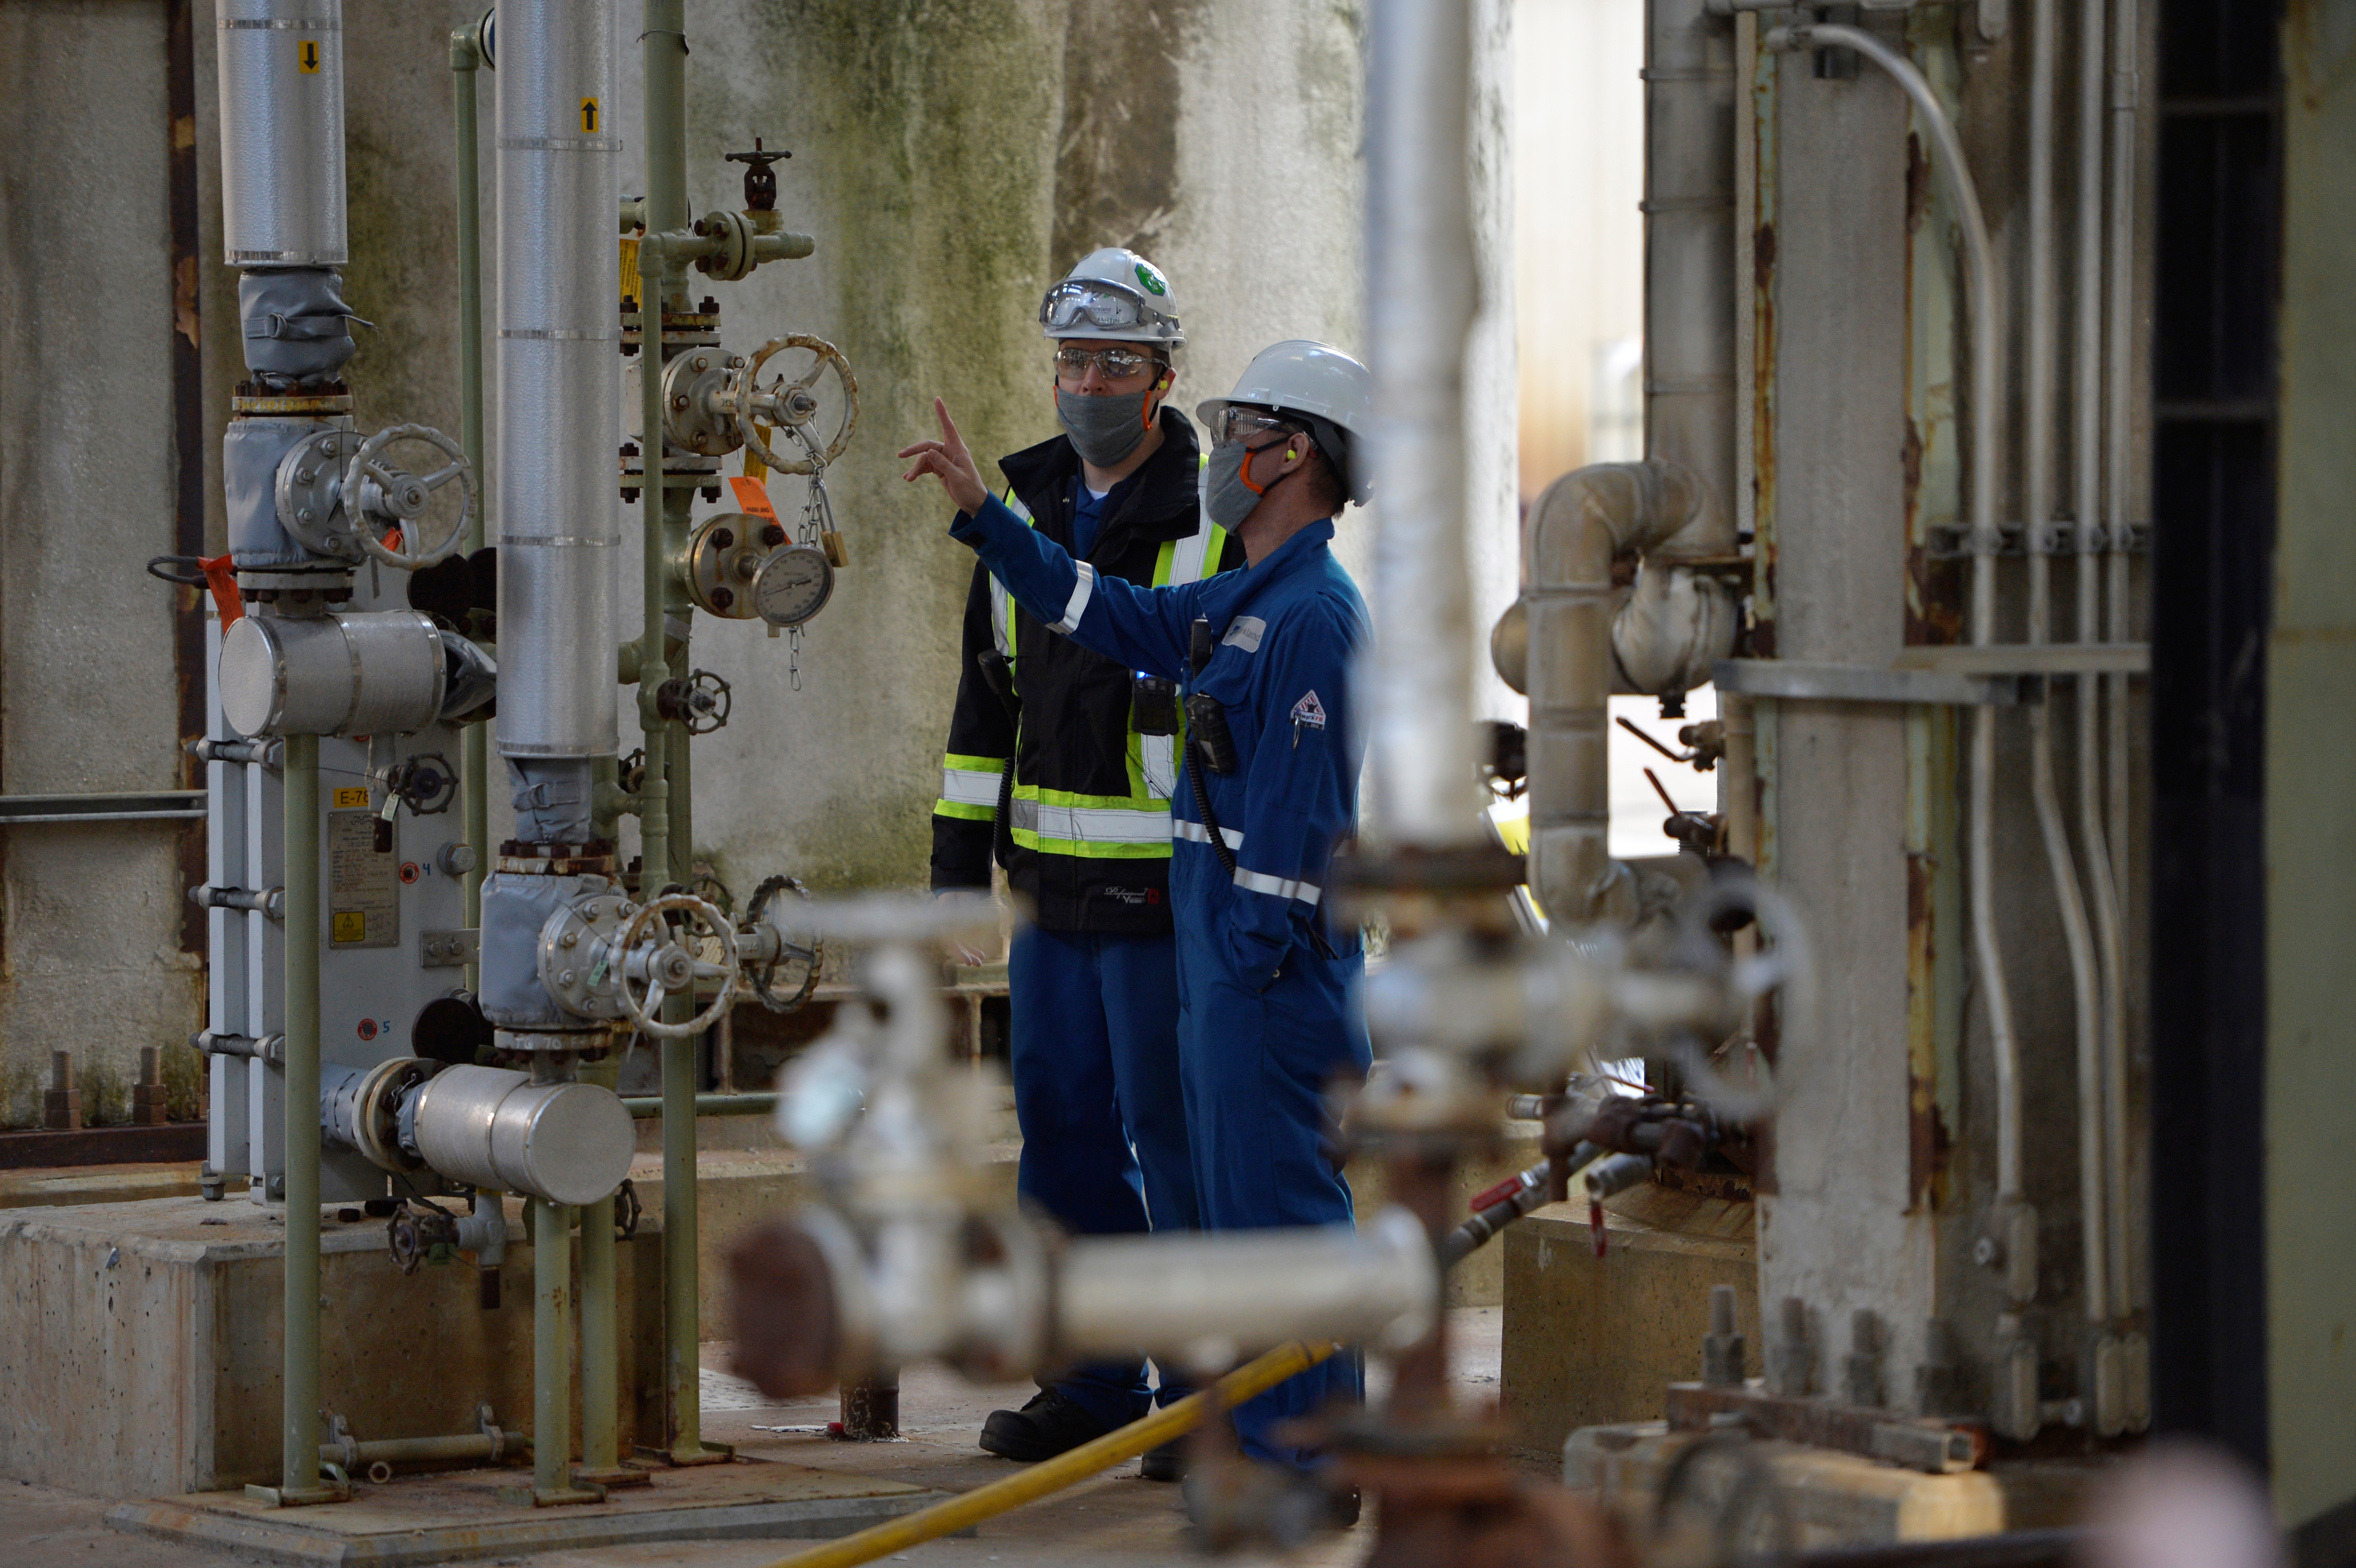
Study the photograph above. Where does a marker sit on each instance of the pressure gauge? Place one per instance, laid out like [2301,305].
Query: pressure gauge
[793,585]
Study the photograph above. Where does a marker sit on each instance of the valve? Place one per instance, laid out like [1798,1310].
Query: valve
[770,944]
[425,783]
[701,701]
[668,967]
[627,1210]
[421,1233]
[791,406]
[336,493]
[760,180]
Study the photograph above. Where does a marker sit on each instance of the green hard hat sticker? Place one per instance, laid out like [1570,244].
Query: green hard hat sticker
[1150,279]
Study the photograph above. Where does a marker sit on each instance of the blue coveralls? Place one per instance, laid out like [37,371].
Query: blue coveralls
[1269,1004]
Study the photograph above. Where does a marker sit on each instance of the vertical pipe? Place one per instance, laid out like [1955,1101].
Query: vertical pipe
[2086,439]
[551,1350]
[664,58]
[466,60]
[1420,288]
[2119,627]
[298,1468]
[601,1392]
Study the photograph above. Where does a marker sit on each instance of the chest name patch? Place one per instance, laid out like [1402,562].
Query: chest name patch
[1244,632]
[1309,711]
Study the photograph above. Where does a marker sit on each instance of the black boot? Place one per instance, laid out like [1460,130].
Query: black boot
[1050,1424]
[1164,1461]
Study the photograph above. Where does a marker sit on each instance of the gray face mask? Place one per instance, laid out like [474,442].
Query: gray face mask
[1104,430]
[1226,497]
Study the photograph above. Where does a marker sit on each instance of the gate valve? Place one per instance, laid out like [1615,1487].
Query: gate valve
[701,701]
[760,179]
[337,493]
[768,943]
[425,783]
[658,962]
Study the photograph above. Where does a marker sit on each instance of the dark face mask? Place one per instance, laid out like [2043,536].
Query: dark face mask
[1104,430]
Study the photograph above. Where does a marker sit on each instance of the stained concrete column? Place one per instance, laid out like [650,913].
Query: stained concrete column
[1837,771]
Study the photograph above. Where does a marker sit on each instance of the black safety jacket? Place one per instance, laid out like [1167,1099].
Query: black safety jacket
[1088,838]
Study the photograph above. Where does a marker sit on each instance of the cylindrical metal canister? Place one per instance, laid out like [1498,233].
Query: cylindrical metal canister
[559,380]
[347,673]
[282,129]
[565,1143]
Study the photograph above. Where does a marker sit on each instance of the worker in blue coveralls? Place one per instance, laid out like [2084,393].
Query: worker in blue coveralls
[1269,1003]
[1046,774]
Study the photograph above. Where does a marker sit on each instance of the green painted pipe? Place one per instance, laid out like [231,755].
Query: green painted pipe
[298,1469]
[465,59]
[552,1348]
[645,1108]
[600,1357]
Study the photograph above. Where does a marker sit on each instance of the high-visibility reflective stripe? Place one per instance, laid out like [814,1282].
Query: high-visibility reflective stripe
[972,786]
[1002,625]
[965,813]
[1142,804]
[1179,827]
[1158,764]
[1083,590]
[1278,888]
[1089,849]
[1093,825]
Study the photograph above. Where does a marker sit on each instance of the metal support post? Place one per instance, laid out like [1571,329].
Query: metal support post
[466,60]
[552,1359]
[298,1466]
[601,1394]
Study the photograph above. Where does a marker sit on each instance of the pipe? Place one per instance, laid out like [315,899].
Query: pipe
[551,1340]
[663,831]
[1689,288]
[466,60]
[1084,1463]
[558,279]
[1987,338]
[298,1470]
[1420,289]
[647,1107]
[1120,1294]
[2086,452]
[1579,525]
[2119,627]
[601,1356]
[2042,380]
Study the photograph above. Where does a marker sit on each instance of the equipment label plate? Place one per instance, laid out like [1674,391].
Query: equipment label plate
[363,885]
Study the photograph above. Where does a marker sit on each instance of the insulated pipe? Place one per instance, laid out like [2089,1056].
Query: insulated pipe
[559,387]
[1689,281]
[1582,521]
[2086,435]
[2125,92]
[281,132]
[298,1468]
[1988,337]
[465,62]
[1420,291]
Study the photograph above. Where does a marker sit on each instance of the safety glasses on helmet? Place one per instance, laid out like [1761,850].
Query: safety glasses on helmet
[1092,302]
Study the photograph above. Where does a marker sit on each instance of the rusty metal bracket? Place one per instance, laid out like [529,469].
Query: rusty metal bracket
[1918,1443]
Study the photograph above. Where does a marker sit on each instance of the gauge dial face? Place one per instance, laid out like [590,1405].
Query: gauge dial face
[793,585]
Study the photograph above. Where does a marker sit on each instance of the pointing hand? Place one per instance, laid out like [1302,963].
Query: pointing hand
[949,461]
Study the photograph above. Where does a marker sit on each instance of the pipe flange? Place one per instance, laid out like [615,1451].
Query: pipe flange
[723,560]
[579,955]
[310,494]
[697,416]
[376,1119]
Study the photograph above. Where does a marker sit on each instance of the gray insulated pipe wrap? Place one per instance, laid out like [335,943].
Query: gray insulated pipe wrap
[281,110]
[559,381]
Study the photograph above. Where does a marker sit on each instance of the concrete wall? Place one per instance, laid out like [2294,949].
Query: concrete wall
[91,919]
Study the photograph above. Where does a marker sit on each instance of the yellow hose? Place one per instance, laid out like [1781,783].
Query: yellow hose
[1064,1469]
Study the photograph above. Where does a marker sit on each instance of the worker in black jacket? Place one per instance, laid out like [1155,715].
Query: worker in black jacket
[1059,768]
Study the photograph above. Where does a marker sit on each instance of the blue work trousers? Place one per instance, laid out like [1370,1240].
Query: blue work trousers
[1258,1064]
[1098,1093]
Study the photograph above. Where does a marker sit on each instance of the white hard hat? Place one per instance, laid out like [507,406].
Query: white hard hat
[1113,294]
[1325,389]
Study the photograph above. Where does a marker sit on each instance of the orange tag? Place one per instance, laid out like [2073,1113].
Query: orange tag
[753,496]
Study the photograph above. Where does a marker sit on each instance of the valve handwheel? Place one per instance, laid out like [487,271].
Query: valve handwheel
[642,1014]
[810,956]
[403,497]
[787,404]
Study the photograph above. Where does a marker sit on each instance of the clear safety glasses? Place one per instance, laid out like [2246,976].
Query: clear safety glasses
[1237,423]
[1072,363]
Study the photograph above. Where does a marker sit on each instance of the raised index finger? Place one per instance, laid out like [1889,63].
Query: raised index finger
[950,435]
